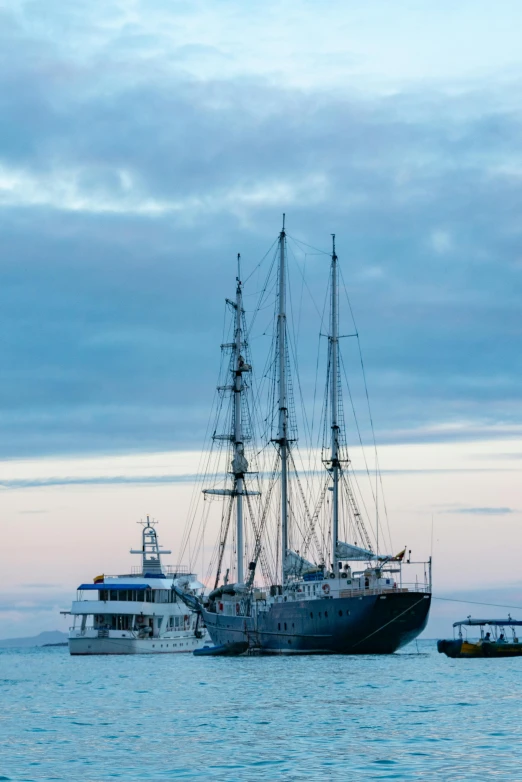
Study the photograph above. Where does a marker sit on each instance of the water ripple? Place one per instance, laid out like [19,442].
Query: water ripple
[406,717]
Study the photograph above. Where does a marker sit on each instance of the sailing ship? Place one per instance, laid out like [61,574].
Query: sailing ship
[348,598]
[140,612]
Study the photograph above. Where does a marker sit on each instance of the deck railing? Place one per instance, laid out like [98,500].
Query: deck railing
[422,588]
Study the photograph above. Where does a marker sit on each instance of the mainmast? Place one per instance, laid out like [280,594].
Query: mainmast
[239,465]
[334,402]
[283,406]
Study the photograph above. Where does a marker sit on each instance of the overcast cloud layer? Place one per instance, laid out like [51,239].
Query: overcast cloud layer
[143,145]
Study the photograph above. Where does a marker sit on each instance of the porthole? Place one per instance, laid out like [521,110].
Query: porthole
[340,613]
[326,614]
[285,625]
[279,625]
[311,615]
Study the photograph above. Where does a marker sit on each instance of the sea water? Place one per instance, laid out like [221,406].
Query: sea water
[418,716]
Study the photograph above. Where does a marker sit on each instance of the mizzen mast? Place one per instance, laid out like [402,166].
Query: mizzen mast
[334,402]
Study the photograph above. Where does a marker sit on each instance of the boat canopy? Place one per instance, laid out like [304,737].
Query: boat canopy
[114,587]
[492,622]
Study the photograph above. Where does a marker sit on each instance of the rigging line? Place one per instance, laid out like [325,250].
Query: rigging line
[362,447]
[317,369]
[261,261]
[377,465]
[293,351]
[357,517]
[476,602]
[213,416]
[293,341]
[214,452]
[357,424]
[299,241]
[263,290]
[410,608]
[304,281]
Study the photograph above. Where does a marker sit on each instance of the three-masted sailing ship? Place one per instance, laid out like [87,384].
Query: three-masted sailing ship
[297,595]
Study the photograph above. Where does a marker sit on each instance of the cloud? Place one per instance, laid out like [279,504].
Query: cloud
[483,511]
[129,178]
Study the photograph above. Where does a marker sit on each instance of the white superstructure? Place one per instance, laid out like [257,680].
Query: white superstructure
[138,613]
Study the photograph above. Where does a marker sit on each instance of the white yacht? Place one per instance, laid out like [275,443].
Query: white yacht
[140,612]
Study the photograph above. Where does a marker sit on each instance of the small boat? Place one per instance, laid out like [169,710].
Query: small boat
[493,641]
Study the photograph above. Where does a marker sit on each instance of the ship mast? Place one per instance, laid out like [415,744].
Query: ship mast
[239,462]
[334,402]
[283,408]
[239,458]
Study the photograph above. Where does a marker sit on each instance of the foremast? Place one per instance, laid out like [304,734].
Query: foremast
[239,464]
[283,396]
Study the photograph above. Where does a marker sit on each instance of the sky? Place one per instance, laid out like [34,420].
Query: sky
[142,145]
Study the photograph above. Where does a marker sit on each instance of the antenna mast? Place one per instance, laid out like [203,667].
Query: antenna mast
[283,408]
[334,401]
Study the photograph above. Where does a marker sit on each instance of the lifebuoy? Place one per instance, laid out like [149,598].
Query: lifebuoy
[326,588]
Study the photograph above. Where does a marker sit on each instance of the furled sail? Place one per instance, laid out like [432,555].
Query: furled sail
[296,565]
[347,551]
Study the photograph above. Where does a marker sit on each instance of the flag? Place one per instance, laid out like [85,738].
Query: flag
[400,556]
[99,579]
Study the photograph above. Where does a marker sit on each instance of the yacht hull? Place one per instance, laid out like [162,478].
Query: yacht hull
[85,645]
[369,624]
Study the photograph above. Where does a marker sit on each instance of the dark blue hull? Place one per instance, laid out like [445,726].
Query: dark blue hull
[371,624]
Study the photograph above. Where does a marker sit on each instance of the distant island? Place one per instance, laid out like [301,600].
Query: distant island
[47,638]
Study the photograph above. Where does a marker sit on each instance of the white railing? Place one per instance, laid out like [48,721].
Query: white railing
[422,588]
